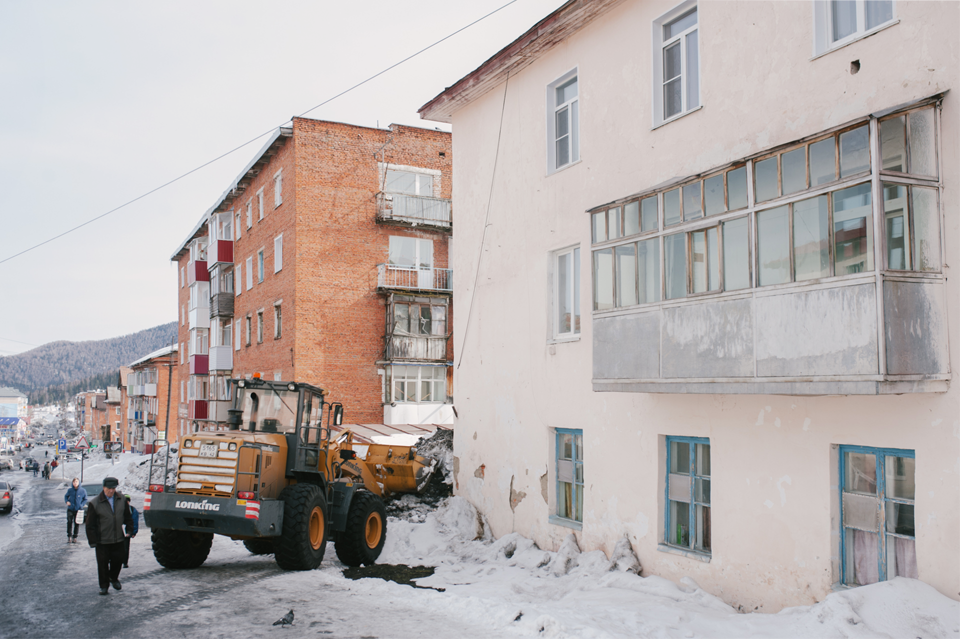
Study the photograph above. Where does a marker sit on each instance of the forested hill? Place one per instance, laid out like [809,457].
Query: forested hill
[63,364]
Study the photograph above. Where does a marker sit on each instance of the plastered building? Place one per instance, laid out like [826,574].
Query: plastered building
[713,312]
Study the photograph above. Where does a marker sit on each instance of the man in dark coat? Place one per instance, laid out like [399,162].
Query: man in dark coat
[108,514]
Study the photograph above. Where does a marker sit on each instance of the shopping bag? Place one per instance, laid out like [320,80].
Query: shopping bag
[80,515]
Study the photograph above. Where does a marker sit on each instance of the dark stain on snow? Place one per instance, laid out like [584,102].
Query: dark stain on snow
[397,573]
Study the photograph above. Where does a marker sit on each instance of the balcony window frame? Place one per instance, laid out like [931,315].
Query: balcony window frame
[571,107]
[438,383]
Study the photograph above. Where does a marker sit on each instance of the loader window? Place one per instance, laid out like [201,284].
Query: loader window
[270,411]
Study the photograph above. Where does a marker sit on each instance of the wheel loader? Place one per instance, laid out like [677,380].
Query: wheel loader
[285,478]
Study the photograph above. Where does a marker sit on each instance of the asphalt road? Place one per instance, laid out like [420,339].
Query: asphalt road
[48,588]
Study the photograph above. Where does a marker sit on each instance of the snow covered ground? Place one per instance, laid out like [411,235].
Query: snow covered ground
[510,588]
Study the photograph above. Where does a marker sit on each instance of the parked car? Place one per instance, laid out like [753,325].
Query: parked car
[6,496]
[7,464]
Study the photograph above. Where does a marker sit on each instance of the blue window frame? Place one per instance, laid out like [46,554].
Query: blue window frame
[877,497]
[687,497]
[570,474]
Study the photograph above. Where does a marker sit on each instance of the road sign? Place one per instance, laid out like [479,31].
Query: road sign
[62,445]
[82,442]
[113,447]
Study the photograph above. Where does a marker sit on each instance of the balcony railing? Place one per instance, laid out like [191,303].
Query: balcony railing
[221,358]
[199,364]
[219,251]
[197,272]
[390,276]
[416,347]
[199,317]
[414,210]
[221,305]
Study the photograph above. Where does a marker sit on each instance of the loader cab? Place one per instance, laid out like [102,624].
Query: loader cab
[291,409]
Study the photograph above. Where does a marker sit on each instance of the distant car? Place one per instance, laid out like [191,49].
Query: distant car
[7,464]
[31,464]
[6,496]
[93,489]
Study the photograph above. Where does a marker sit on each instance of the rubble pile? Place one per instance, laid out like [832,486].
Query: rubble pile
[414,508]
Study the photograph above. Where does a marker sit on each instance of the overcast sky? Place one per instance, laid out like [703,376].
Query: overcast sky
[101,102]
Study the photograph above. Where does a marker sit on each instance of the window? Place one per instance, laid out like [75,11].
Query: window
[183,315]
[181,350]
[249,327]
[411,252]
[570,474]
[687,517]
[238,279]
[277,322]
[419,318]
[260,266]
[878,492]
[810,218]
[563,106]
[224,331]
[236,341]
[249,273]
[249,213]
[277,253]
[260,204]
[182,393]
[566,293]
[408,182]
[259,327]
[676,63]
[278,188]
[417,384]
[238,226]
[182,278]
[840,22]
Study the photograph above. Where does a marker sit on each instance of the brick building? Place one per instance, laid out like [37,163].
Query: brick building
[326,262]
[146,399]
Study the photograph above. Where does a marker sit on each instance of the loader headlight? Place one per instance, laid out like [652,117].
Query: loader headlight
[291,386]
[242,383]
[232,446]
[187,443]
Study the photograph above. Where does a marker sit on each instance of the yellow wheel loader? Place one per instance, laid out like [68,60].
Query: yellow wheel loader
[285,479]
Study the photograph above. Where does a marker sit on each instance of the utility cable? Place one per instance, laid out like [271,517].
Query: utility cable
[483,235]
[252,140]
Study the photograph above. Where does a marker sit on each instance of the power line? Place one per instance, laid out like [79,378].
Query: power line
[7,339]
[248,142]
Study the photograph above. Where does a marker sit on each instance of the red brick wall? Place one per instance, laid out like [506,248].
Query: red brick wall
[340,315]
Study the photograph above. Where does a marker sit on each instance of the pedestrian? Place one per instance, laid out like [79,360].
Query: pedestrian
[109,523]
[36,468]
[136,528]
[76,500]
[46,470]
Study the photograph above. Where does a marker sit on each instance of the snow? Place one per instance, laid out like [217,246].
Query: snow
[508,587]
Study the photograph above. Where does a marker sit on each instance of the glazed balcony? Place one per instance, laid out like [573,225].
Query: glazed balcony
[199,364]
[408,278]
[221,358]
[221,305]
[217,410]
[414,210]
[197,272]
[219,251]
[416,348]
[197,409]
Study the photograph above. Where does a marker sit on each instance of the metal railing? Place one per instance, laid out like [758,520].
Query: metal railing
[414,279]
[414,209]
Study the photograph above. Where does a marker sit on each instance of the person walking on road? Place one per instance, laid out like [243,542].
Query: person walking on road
[46,470]
[109,523]
[76,499]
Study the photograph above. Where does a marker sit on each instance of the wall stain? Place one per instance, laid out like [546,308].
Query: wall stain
[516,496]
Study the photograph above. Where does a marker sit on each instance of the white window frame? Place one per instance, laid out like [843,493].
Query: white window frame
[658,47]
[278,188]
[249,214]
[260,204]
[574,129]
[277,320]
[278,253]
[182,277]
[238,226]
[238,335]
[573,290]
[417,381]
[260,266]
[823,27]
[249,272]
[260,326]
[248,327]
[238,279]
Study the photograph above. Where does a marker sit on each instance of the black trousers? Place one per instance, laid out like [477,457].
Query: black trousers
[72,523]
[109,562]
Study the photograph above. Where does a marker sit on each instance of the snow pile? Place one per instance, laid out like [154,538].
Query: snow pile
[526,591]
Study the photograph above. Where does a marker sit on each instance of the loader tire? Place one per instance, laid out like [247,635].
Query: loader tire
[303,539]
[361,542]
[179,549]
[259,546]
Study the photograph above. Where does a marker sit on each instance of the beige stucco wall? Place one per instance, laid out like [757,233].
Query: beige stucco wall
[773,457]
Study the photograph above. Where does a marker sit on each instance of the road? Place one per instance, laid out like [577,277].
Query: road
[48,588]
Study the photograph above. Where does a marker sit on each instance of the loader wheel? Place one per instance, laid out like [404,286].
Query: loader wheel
[303,539]
[361,542]
[179,549]
[259,546]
